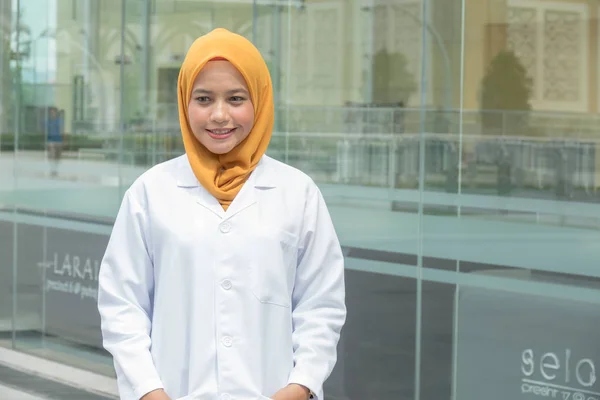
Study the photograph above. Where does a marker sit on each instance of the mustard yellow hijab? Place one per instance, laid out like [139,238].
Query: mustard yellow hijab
[239,163]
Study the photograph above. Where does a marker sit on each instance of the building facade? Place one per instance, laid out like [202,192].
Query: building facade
[455,142]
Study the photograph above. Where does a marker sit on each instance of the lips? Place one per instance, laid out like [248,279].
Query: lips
[220,133]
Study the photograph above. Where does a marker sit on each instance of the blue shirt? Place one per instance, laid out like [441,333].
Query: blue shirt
[54,129]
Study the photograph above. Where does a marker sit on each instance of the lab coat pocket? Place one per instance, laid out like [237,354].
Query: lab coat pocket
[272,269]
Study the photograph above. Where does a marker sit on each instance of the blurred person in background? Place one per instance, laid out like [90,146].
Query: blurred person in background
[54,138]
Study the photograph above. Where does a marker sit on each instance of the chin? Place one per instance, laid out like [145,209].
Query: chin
[220,151]
[220,148]
[216,147]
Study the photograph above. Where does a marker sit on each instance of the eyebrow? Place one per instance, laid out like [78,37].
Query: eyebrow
[229,92]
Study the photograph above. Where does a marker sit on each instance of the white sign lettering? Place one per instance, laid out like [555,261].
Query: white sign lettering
[73,274]
[558,376]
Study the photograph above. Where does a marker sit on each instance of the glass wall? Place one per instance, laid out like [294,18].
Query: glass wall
[454,140]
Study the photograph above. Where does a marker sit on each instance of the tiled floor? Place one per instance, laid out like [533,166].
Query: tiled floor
[62,352]
[8,393]
[13,381]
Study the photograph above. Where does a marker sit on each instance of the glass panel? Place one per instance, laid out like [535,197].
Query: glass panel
[29,126]
[351,96]
[441,241]
[62,112]
[6,177]
[454,141]
[63,115]
[509,203]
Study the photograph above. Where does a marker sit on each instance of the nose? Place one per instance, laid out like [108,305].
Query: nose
[219,113]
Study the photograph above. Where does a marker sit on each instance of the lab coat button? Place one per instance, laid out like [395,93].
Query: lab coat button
[226,284]
[225,227]
[227,341]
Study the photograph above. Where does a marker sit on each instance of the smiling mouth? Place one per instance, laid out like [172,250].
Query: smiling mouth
[220,133]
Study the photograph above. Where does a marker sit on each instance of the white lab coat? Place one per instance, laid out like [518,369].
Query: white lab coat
[211,304]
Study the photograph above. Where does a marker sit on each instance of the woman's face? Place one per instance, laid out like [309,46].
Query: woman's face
[220,111]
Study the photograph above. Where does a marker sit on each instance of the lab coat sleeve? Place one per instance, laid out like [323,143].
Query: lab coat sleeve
[319,309]
[126,285]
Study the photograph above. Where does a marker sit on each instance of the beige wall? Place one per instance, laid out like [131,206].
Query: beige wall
[485,36]
[171,35]
[490,29]
[323,48]
[318,68]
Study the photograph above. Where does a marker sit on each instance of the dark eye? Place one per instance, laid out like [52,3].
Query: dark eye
[203,99]
[237,99]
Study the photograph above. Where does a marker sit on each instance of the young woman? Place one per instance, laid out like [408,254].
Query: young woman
[223,277]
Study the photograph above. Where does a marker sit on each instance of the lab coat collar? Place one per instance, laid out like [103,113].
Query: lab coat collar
[262,178]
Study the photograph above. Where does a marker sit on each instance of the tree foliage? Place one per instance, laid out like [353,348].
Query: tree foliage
[392,80]
[505,95]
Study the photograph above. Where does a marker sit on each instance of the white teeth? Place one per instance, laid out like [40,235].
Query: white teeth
[220,131]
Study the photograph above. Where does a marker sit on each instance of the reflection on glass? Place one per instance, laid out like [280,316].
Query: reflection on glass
[454,140]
